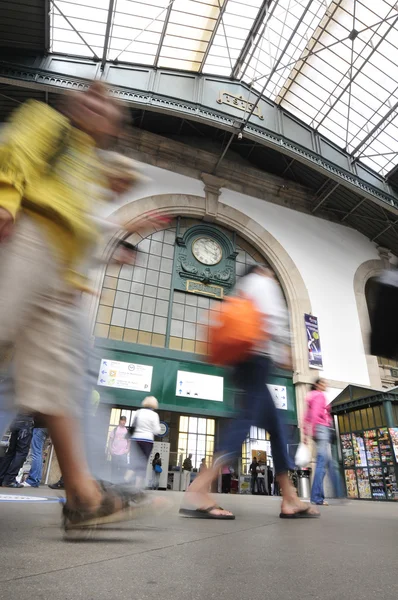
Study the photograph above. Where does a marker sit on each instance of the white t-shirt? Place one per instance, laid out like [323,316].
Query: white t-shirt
[147,425]
[267,296]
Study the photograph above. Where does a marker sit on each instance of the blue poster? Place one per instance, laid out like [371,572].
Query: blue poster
[313,342]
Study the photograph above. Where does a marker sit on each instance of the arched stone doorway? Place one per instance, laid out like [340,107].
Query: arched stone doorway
[296,294]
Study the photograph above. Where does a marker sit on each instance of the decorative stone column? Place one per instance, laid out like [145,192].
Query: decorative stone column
[212,188]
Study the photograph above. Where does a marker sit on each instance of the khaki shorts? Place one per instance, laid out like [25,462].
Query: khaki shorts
[40,323]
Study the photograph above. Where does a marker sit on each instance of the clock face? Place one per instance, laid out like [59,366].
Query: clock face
[207,251]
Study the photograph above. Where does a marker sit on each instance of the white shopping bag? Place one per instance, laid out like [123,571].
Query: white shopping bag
[303,456]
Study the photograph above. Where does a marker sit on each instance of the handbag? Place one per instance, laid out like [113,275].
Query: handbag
[158,469]
[303,456]
[236,331]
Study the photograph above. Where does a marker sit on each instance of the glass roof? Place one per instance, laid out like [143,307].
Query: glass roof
[332,63]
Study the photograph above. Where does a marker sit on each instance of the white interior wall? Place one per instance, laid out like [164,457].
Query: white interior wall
[326,254]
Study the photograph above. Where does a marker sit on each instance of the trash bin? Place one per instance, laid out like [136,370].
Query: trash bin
[304,485]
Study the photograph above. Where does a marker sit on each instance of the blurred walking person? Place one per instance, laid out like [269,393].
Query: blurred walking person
[119,447]
[318,425]
[186,472]
[17,451]
[253,469]
[156,471]
[145,426]
[36,449]
[259,290]
[47,167]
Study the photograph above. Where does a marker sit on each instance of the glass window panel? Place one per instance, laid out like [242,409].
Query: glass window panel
[137,288]
[191,299]
[118,317]
[189,331]
[178,311]
[148,305]
[192,441]
[146,322]
[142,260]
[176,328]
[139,274]
[190,314]
[169,237]
[210,425]
[123,285]
[154,262]
[158,236]
[150,290]
[193,424]
[156,248]
[183,423]
[121,300]
[179,297]
[182,444]
[152,277]
[165,280]
[163,294]
[162,308]
[135,302]
[201,425]
[160,325]
[132,319]
[126,272]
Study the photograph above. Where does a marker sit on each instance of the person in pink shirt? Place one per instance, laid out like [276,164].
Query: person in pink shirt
[119,447]
[318,425]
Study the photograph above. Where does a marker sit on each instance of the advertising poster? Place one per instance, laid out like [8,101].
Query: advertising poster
[347,450]
[394,439]
[313,341]
[372,448]
[351,483]
[377,483]
[359,450]
[363,484]
[128,376]
[385,446]
[391,483]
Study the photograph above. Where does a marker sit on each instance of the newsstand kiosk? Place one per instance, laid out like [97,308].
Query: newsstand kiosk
[367,423]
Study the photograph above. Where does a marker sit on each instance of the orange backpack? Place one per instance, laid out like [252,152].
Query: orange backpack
[237,330]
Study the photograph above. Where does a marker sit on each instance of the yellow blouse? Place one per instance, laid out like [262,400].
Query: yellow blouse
[47,168]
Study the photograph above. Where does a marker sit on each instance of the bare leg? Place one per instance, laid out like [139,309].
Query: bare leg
[197,494]
[80,487]
[290,502]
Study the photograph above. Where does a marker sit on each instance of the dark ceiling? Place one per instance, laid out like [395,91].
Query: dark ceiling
[24,24]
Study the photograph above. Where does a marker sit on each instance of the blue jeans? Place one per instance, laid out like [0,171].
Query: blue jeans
[257,408]
[36,448]
[324,460]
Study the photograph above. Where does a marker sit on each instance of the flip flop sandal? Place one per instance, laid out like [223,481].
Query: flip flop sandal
[205,513]
[301,514]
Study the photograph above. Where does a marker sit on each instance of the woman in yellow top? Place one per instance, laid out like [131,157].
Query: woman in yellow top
[47,164]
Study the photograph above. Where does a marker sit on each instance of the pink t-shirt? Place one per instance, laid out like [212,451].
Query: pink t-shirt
[119,444]
[317,413]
